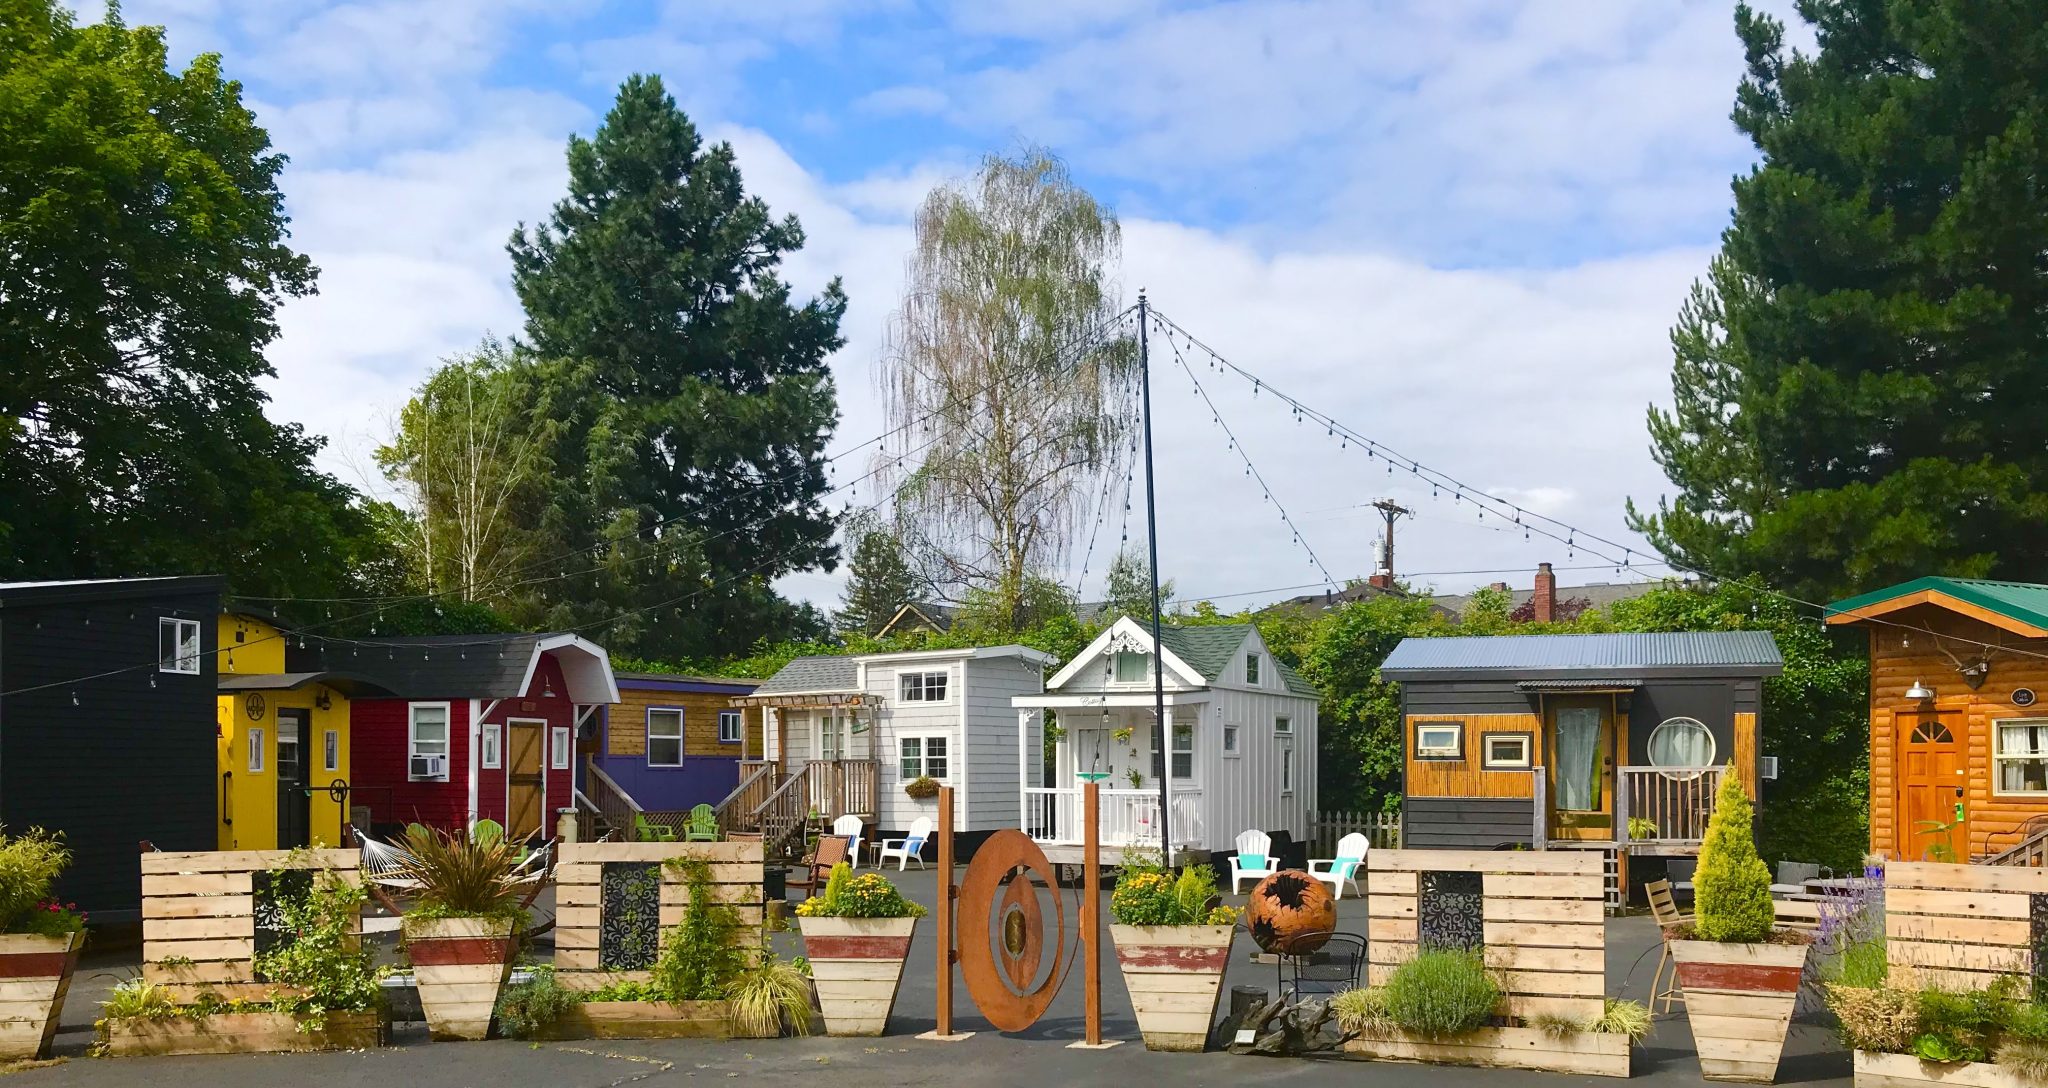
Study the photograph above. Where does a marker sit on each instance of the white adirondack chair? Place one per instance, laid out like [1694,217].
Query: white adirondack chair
[908,848]
[1253,861]
[848,827]
[1342,869]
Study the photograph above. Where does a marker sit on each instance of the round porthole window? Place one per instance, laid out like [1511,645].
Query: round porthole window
[1682,743]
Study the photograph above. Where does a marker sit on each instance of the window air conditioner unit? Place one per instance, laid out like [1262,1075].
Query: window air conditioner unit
[1767,768]
[430,766]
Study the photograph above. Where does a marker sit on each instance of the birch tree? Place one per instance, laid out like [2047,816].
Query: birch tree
[1009,375]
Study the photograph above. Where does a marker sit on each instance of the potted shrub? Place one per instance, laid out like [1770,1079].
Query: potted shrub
[1738,969]
[856,936]
[1442,1006]
[460,936]
[39,942]
[1172,944]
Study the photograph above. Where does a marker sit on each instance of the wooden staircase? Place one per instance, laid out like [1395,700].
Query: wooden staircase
[2031,850]
[778,806]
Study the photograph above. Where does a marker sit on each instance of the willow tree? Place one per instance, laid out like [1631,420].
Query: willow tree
[1010,376]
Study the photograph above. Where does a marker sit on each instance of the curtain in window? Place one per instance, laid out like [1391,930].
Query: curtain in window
[1578,755]
[1681,742]
[2028,741]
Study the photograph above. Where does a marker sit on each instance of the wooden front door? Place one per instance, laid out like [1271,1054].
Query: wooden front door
[525,775]
[1580,733]
[1932,821]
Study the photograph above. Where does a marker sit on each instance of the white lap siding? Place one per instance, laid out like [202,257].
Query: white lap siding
[920,719]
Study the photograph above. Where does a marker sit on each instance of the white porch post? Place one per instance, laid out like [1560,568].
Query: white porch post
[1024,782]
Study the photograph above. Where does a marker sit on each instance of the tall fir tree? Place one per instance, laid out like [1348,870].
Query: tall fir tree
[880,581]
[1861,384]
[1128,589]
[692,391]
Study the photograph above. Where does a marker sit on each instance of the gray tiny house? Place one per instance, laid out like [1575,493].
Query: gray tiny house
[1609,741]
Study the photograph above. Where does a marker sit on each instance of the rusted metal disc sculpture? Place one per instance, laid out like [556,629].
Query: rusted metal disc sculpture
[1003,940]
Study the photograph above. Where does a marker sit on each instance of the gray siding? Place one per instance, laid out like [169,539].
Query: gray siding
[992,799]
[1466,823]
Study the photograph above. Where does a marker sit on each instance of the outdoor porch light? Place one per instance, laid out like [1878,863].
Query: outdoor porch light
[1919,692]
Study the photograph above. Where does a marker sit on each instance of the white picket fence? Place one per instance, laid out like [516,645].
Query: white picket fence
[1382,829]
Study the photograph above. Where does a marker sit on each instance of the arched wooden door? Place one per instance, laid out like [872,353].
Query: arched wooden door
[1933,822]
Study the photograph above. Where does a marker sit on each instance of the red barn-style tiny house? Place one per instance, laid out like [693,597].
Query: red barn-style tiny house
[483,727]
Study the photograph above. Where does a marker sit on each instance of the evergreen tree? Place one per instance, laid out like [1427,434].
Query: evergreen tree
[692,393]
[1859,388]
[1128,591]
[879,581]
[1733,884]
[142,261]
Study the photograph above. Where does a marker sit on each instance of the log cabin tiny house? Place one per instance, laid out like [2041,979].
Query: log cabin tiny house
[1615,741]
[1958,729]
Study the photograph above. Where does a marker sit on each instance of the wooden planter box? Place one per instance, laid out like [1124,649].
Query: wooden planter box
[1175,975]
[459,965]
[643,1020]
[1875,1070]
[35,973]
[856,964]
[1739,998]
[242,1033]
[1586,1053]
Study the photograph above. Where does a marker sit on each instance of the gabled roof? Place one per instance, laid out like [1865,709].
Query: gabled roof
[464,666]
[352,685]
[1205,650]
[1660,653]
[2019,607]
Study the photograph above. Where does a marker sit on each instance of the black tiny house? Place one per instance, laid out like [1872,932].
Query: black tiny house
[107,724]
[1607,740]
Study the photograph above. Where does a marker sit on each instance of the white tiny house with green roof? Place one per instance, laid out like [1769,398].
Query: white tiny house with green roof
[1241,752]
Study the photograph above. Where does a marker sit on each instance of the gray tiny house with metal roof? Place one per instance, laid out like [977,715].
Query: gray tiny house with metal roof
[1613,741]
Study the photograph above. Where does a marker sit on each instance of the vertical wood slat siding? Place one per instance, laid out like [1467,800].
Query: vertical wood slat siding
[1745,751]
[737,872]
[1899,659]
[1959,926]
[200,906]
[1466,777]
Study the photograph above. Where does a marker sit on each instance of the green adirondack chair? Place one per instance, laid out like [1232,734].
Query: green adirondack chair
[646,832]
[486,831]
[703,825]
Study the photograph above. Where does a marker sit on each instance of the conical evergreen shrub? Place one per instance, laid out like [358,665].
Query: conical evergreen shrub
[1732,889]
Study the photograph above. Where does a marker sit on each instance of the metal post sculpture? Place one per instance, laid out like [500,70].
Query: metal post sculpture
[993,924]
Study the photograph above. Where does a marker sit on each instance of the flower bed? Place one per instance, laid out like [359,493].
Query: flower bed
[1876,1070]
[1172,945]
[642,1020]
[1592,1053]
[241,1033]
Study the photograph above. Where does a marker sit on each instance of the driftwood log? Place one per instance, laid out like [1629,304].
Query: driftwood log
[1285,1029]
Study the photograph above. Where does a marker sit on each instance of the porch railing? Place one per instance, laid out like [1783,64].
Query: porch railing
[782,814]
[842,786]
[609,802]
[736,811]
[1128,817]
[1327,829]
[1665,805]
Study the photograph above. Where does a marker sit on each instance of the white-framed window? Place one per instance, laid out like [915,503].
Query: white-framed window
[1131,668]
[560,760]
[1251,668]
[1287,768]
[729,726]
[922,687]
[2020,752]
[330,750]
[1183,751]
[491,748]
[1505,751]
[664,737]
[1681,742]
[288,745]
[1230,742]
[427,742]
[923,757]
[256,750]
[177,645]
[1439,740]
[1283,726]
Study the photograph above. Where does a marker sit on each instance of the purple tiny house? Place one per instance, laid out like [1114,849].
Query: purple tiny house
[672,742]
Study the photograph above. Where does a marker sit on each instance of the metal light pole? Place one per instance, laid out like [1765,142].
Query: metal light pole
[1163,729]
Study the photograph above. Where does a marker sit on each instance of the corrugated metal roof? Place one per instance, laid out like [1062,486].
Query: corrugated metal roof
[1734,652]
[819,672]
[1590,683]
[2026,602]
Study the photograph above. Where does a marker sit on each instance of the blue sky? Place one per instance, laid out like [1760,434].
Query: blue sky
[1463,227]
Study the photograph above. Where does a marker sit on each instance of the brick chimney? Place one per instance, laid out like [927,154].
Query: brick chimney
[1380,580]
[1544,600]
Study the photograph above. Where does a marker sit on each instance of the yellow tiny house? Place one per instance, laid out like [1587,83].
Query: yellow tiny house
[282,741]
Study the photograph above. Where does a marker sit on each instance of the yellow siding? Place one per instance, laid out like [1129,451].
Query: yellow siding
[1467,777]
[249,799]
[249,646]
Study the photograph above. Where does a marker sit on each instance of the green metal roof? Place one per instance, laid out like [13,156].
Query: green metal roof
[2026,602]
[1208,648]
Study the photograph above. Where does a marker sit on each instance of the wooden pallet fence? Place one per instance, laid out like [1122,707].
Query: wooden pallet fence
[35,974]
[1961,927]
[199,915]
[582,904]
[1538,919]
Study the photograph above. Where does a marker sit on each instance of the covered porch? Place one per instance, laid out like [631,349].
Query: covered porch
[1068,740]
[820,764]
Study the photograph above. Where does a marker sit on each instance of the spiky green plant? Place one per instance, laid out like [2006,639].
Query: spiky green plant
[1732,887]
[764,992]
[1442,992]
[1361,1009]
[1621,1017]
[460,875]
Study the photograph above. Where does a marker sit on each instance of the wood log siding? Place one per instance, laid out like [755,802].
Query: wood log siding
[1465,777]
[1959,927]
[1898,659]
[626,728]
[736,878]
[201,906]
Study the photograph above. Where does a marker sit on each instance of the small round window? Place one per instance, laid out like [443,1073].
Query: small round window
[1681,742]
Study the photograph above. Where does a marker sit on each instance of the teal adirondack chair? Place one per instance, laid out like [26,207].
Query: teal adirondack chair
[646,832]
[703,825]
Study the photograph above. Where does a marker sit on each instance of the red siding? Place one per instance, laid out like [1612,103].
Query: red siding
[556,710]
[379,739]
